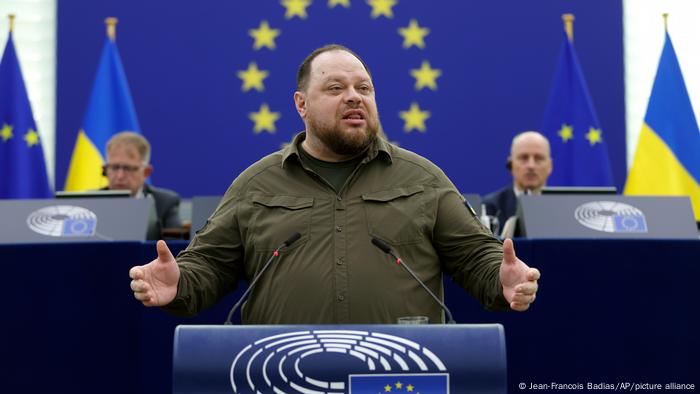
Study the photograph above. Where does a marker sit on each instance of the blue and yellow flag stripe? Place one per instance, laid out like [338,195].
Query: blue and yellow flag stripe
[109,111]
[657,171]
[86,162]
[666,161]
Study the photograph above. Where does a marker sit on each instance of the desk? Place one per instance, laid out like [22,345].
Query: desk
[607,311]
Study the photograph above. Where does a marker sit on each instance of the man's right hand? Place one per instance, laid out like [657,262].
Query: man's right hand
[155,284]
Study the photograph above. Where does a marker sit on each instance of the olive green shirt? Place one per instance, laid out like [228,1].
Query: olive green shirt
[334,173]
[333,273]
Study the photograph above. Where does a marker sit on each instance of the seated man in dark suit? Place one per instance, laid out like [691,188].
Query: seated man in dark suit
[128,156]
[530,164]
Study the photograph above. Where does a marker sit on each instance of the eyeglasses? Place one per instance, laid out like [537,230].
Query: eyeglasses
[114,168]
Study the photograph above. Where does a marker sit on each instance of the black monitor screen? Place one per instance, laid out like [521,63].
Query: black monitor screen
[579,190]
[93,194]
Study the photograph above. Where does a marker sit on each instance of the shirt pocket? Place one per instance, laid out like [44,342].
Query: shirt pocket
[276,218]
[395,215]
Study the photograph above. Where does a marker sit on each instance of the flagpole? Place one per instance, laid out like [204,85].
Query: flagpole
[665,15]
[11,17]
[569,25]
[111,23]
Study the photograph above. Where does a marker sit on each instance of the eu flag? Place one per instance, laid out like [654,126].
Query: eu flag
[109,111]
[579,151]
[22,165]
[431,383]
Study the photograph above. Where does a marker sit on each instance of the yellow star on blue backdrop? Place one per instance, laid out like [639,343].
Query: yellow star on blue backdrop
[252,77]
[264,36]
[6,132]
[264,119]
[32,138]
[594,136]
[414,118]
[295,8]
[382,7]
[566,132]
[333,3]
[413,34]
[425,76]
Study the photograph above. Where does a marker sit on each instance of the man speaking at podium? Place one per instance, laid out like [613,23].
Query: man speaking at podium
[330,193]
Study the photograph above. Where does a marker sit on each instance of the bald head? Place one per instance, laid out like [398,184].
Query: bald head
[531,163]
[530,137]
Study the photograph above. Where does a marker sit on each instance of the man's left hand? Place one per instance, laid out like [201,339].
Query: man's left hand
[518,280]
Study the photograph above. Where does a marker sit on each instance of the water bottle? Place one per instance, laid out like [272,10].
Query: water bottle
[485,218]
[490,222]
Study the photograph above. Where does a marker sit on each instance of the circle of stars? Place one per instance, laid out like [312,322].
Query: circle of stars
[414,36]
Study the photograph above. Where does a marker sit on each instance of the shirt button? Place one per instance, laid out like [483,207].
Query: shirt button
[341,297]
[339,261]
[339,198]
[339,228]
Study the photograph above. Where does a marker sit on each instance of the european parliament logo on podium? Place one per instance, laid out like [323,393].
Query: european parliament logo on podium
[63,221]
[298,362]
[79,219]
[620,217]
[323,359]
[611,217]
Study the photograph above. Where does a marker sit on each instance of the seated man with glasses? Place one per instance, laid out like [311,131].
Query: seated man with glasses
[127,168]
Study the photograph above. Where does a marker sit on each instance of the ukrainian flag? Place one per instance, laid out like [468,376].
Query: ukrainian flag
[109,111]
[667,159]
[22,164]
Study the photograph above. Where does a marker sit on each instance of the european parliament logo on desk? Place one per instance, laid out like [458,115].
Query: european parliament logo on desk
[372,362]
[611,217]
[63,221]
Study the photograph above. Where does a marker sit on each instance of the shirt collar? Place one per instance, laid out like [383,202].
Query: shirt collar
[379,147]
[519,192]
[141,193]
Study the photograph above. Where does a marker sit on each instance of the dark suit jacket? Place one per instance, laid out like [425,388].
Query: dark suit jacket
[502,204]
[167,205]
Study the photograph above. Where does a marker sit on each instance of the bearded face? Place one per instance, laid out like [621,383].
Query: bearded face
[349,133]
[339,106]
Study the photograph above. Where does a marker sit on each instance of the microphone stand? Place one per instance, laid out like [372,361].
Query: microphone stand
[276,253]
[387,249]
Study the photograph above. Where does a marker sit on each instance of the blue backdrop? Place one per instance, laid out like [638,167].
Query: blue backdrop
[497,60]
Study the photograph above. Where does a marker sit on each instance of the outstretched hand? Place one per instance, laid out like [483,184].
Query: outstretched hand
[518,280]
[155,284]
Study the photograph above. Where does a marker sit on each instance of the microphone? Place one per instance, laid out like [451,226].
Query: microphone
[293,238]
[387,249]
